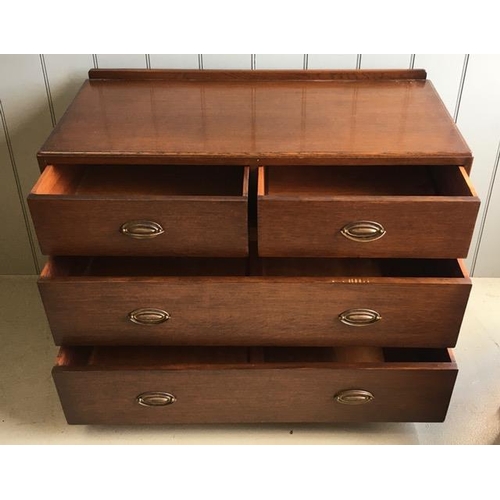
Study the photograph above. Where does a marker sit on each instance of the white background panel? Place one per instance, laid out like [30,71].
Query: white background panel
[66,73]
[28,116]
[332,61]
[445,71]
[24,99]
[174,61]
[279,61]
[227,61]
[479,122]
[121,60]
[488,256]
[15,251]
[385,61]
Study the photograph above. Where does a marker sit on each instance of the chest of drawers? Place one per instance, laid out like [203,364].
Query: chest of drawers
[254,246]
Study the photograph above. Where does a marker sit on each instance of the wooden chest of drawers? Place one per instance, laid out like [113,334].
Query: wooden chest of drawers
[254,246]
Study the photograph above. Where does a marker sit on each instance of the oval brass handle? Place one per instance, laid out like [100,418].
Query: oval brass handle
[141,229]
[359,317]
[363,231]
[156,399]
[148,316]
[353,397]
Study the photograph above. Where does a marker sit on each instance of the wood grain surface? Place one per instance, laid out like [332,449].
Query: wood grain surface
[303,215]
[206,216]
[418,390]
[255,75]
[249,118]
[251,310]
[235,164]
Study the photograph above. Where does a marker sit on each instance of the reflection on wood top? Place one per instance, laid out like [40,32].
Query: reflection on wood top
[370,121]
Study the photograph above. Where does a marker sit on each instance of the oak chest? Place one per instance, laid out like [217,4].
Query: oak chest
[254,246]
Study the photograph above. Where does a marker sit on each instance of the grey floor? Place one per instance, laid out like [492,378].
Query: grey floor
[30,412]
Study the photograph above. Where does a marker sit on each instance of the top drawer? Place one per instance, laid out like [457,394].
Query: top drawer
[142,210]
[375,211]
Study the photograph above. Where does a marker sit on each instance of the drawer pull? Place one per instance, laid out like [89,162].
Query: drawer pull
[353,397]
[141,229]
[156,399]
[359,317]
[148,316]
[363,231]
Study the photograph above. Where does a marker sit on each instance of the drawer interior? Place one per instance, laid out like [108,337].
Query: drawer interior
[143,266]
[142,181]
[271,267]
[365,181]
[361,268]
[202,357]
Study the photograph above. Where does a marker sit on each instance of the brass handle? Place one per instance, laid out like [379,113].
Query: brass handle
[141,229]
[353,397]
[156,399]
[359,317]
[363,231]
[148,316]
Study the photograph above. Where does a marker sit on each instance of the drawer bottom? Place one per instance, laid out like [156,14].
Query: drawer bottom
[168,385]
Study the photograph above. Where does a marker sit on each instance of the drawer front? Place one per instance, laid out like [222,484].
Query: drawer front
[106,227]
[405,228]
[132,210]
[414,394]
[366,212]
[246,311]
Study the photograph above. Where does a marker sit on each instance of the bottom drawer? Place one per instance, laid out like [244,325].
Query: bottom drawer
[161,385]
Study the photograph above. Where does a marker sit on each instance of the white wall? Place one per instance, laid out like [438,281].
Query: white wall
[36,89]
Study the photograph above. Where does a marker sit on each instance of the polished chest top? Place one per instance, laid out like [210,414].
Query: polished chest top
[258,118]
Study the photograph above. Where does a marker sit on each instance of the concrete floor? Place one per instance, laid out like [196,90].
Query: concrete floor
[30,412]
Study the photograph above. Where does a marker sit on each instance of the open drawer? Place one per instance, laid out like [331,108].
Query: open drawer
[174,301]
[141,210]
[374,211]
[164,385]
